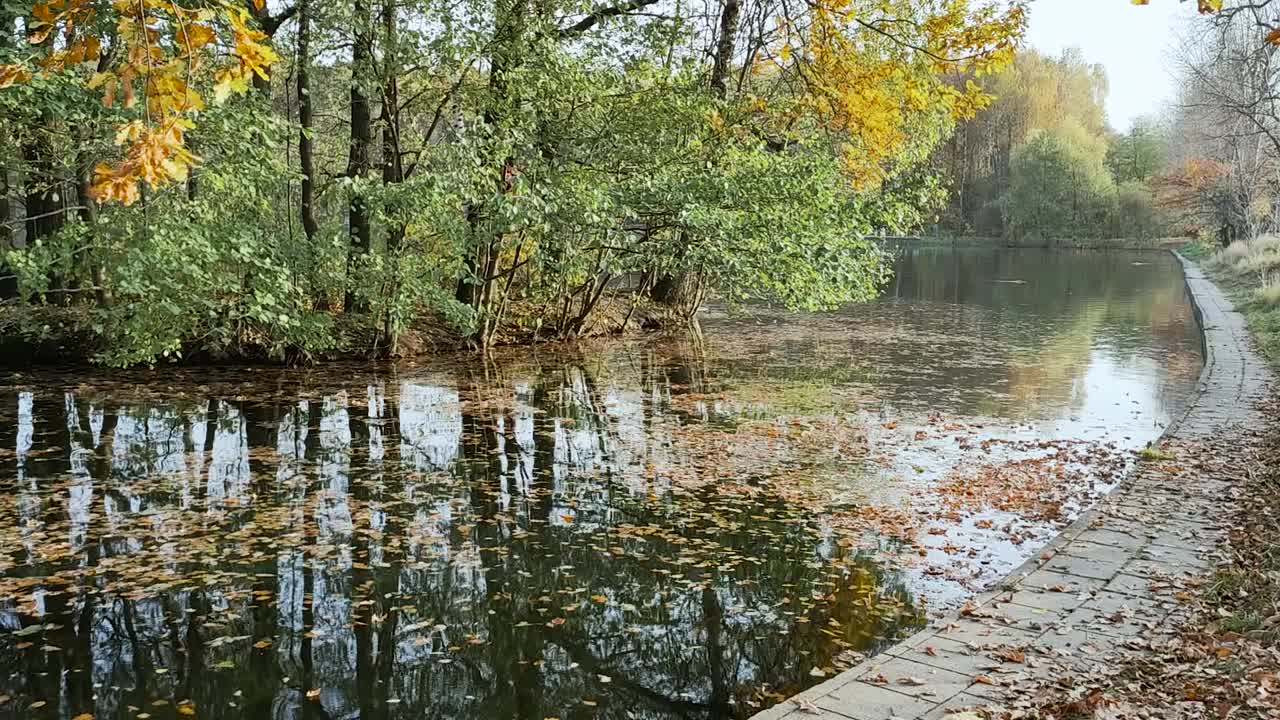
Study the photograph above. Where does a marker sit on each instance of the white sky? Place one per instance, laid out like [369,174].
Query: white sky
[1131,41]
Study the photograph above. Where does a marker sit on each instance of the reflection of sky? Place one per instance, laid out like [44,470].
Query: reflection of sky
[1116,396]
[430,424]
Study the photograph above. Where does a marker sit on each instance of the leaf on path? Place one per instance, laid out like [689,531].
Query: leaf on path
[807,707]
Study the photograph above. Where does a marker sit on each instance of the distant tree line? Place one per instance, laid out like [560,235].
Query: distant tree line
[1043,162]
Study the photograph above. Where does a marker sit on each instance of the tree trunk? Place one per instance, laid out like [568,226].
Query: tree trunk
[392,163]
[671,289]
[8,284]
[725,47]
[45,211]
[306,145]
[361,140]
[509,32]
[88,214]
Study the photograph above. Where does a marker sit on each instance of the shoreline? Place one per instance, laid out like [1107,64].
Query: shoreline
[1090,564]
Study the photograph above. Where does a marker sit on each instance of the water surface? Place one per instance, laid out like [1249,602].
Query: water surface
[676,527]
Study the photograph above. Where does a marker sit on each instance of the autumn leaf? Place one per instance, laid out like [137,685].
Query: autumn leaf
[13,75]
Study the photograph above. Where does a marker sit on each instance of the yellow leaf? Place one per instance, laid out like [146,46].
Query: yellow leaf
[13,75]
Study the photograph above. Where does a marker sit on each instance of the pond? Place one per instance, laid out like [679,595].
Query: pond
[690,526]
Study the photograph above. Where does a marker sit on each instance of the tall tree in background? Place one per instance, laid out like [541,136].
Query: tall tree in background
[1139,153]
[1059,185]
[306,124]
[1037,93]
[1225,163]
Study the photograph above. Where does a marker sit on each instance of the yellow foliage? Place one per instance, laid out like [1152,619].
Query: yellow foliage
[1204,6]
[165,49]
[13,75]
[871,67]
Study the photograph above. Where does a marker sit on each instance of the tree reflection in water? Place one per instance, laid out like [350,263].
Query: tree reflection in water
[428,547]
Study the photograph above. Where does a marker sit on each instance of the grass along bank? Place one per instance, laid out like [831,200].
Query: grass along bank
[1249,273]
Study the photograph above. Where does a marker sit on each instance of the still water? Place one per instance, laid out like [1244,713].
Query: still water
[676,527]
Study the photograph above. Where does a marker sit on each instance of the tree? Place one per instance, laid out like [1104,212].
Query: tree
[1138,154]
[522,159]
[1059,186]
[1035,93]
[1222,177]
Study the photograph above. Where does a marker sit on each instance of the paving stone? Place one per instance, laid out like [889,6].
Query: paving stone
[953,656]
[957,704]
[937,684]
[1129,585]
[864,701]
[1155,569]
[1023,617]
[1112,538]
[1050,602]
[1117,615]
[977,634]
[1075,641]
[1100,566]
[1053,581]
[790,711]
[934,645]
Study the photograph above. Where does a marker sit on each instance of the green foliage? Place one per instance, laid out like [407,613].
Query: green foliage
[1138,154]
[517,168]
[1059,186]
[1137,215]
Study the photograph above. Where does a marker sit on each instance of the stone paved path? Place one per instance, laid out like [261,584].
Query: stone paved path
[1109,579]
